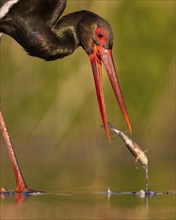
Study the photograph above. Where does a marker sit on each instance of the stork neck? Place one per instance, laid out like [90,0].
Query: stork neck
[39,39]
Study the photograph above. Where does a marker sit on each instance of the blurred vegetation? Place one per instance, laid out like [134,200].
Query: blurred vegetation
[52,113]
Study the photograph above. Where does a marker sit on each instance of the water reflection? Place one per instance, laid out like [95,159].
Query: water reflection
[20,197]
[83,205]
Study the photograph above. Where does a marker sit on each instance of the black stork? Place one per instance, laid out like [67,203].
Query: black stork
[36,26]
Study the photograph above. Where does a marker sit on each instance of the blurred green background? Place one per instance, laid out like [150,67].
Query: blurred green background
[52,113]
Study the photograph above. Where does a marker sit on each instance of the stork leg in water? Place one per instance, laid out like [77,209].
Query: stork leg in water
[21,185]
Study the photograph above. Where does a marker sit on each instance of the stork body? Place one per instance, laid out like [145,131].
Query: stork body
[35,25]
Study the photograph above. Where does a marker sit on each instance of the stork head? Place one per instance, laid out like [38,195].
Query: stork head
[94,34]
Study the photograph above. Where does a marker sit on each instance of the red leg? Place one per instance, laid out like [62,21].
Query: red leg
[20,182]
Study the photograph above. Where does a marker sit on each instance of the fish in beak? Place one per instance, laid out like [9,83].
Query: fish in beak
[101,55]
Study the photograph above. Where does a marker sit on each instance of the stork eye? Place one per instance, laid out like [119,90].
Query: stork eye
[100,35]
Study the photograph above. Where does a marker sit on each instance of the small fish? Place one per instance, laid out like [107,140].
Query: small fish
[132,146]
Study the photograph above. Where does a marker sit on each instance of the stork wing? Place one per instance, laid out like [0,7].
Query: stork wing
[58,10]
[5,6]
[48,11]
[2,2]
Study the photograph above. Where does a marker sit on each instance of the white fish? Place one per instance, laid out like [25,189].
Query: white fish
[132,146]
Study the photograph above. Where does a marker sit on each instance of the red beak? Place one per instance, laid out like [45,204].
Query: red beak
[101,54]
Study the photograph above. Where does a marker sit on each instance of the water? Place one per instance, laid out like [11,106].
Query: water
[84,205]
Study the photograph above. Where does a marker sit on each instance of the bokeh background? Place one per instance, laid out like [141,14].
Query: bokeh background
[52,113]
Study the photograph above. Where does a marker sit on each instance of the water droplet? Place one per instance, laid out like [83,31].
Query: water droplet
[146,179]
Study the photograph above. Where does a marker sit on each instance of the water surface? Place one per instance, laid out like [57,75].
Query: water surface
[84,205]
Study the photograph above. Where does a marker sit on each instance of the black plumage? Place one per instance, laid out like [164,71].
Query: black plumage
[35,25]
